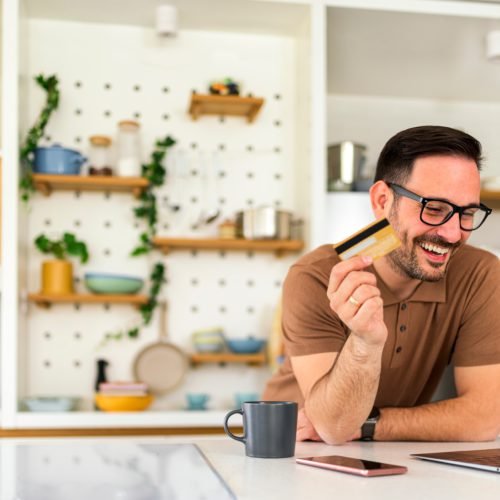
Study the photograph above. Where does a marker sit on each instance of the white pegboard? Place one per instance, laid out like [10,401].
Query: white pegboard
[110,73]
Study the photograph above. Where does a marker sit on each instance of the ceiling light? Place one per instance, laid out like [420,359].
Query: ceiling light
[166,20]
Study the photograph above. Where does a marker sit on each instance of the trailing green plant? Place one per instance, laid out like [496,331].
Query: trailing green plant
[35,133]
[155,173]
[63,248]
[157,278]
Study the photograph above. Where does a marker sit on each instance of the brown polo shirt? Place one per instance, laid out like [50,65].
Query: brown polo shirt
[456,319]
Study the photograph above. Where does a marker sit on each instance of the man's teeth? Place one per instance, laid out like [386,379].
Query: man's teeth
[433,248]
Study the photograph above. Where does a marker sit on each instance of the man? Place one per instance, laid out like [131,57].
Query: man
[367,342]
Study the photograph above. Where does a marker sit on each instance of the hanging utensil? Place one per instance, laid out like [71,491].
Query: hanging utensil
[162,365]
[173,162]
[213,212]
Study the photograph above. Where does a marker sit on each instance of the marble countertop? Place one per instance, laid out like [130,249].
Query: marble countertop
[198,467]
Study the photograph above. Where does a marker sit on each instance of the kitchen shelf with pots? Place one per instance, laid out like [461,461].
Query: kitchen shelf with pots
[254,359]
[224,105]
[46,300]
[46,183]
[166,244]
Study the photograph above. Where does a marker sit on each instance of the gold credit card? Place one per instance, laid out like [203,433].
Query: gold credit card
[376,240]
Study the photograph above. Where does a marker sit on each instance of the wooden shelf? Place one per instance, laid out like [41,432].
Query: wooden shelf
[224,105]
[46,300]
[489,195]
[256,359]
[167,245]
[46,183]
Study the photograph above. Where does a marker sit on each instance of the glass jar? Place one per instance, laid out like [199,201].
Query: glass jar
[100,155]
[129,154]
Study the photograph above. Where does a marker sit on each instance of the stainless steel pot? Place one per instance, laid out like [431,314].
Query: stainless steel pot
[346,162]
[263,223]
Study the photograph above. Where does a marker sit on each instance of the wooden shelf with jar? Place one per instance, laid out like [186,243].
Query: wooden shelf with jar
[257,359]
[167,245]
[46,183]
[46,300]
[224,105]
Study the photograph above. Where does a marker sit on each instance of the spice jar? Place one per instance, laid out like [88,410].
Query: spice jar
[227,230]
[129,154]
[100,155]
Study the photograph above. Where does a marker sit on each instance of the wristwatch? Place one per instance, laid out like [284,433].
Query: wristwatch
[368,428]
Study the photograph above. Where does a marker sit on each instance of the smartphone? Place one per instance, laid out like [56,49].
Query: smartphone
[350,465]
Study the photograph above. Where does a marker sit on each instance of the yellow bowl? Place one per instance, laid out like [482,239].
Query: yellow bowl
[107,402]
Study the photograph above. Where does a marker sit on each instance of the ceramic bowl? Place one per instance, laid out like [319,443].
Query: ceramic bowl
[50,403]
[106,402]
[249,345]
[210,340]
[112,283]
[197,400]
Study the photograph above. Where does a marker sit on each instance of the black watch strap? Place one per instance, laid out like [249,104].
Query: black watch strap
[368,428]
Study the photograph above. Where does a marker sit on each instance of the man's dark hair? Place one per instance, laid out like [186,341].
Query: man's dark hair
[396,159]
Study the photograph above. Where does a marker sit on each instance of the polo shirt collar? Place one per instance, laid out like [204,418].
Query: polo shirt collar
[426,291]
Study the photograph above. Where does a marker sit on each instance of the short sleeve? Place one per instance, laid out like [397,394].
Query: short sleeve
[478,339]
[309,325]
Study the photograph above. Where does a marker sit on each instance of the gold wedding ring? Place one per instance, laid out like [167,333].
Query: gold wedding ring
[353,301]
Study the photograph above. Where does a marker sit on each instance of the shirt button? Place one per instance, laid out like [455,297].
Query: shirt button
[403,307]
[402,328]
[399,349]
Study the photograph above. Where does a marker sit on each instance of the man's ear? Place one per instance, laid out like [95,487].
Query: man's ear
[381,199]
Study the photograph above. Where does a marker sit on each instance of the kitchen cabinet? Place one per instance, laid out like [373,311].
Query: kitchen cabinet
[134,74]
[328,70]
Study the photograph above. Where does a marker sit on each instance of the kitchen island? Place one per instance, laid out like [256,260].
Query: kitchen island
[159,468]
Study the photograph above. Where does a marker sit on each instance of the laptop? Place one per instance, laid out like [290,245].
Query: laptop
[488,460]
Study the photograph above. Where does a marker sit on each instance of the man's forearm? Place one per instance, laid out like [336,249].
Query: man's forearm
[340,401]
[458,419]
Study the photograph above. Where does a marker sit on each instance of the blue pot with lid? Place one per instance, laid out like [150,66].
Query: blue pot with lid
[56,159]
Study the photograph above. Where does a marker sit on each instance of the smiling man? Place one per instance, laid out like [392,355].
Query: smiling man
[367,342]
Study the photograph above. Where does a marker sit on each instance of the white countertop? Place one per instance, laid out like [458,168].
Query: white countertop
[128,468]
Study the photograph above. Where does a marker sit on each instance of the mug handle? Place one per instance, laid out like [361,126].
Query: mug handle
[226,426]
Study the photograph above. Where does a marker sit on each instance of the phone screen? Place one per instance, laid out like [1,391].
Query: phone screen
[353,465]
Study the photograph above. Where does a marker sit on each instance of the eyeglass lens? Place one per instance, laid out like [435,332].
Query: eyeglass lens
[436,212]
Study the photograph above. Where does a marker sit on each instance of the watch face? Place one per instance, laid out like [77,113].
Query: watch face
[374,414]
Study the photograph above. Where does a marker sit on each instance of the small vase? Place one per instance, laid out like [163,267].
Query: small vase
[57,277]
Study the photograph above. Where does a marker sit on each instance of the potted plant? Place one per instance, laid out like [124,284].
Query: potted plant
[57,275]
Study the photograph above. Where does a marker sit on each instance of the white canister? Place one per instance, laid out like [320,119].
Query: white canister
[129,149]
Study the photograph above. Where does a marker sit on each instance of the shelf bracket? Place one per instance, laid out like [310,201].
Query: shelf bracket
[44,188]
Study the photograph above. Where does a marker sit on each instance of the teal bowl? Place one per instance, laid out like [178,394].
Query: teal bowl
[112,283]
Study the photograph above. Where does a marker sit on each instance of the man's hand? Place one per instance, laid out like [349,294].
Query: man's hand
[355,297]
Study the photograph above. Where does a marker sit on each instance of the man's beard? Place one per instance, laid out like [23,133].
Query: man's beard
[404,260]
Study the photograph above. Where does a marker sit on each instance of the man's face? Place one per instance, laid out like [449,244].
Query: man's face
[426,250]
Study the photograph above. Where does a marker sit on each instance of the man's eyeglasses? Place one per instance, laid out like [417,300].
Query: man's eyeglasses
[436,212]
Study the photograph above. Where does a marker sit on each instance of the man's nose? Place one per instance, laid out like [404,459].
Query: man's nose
[450,230]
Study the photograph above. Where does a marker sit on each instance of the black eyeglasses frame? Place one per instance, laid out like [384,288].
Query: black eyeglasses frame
[455,208]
